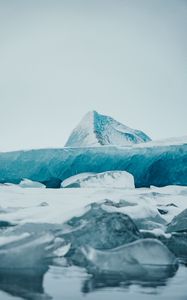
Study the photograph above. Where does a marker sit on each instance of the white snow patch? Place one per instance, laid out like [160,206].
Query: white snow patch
[20,206]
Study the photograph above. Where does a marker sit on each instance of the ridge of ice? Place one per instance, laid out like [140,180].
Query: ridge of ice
[98,130]
[143,252]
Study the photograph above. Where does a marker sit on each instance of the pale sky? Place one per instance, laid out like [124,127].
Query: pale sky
[60,59]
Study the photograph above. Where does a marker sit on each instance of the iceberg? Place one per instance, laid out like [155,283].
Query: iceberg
[98,130]
[115,179]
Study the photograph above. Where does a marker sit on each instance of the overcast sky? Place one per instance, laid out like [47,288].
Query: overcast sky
[60,59]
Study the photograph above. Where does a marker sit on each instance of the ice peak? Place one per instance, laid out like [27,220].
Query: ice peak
[97,130]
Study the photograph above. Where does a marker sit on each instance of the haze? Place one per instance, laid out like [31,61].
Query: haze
[60,59]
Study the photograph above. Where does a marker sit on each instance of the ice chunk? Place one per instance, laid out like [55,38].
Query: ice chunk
[115,179]
[144,213]
[143,252]
[98,130]
[177,243]
[100,230]
[76,179]
[24,251]
[179,223]
[27,183]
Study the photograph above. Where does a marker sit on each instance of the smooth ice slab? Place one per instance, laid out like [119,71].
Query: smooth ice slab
[143,252]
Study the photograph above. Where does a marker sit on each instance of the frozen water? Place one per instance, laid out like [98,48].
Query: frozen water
[27,183]
[53,223]
[142,252]
[179,222]
[144,215]
[150,165]
[99,229]
[26,250]
[115,179]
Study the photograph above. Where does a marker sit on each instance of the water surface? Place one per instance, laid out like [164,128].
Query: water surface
[59,282]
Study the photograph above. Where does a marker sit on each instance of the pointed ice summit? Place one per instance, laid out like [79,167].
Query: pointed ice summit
[99,130]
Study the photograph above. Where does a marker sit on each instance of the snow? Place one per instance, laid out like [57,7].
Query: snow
[115,179]
[84,134]
[22,206]
[140,210]
[174,141]
[98,130]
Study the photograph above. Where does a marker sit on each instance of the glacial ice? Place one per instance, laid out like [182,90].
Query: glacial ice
[150,165]
[115,179]
[116,229]
[52,223]
[98,229]
[144,215]
[179,223]
[25,250]
[27,183]
[142,252]
[98,130]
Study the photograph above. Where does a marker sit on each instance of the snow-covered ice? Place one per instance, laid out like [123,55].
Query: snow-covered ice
[27,183]
[159,165]
[21,206]
[98,130]
[51,223]
[115,179]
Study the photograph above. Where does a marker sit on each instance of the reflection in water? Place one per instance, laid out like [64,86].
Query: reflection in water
[24,283]
[147,276]
[28,283]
